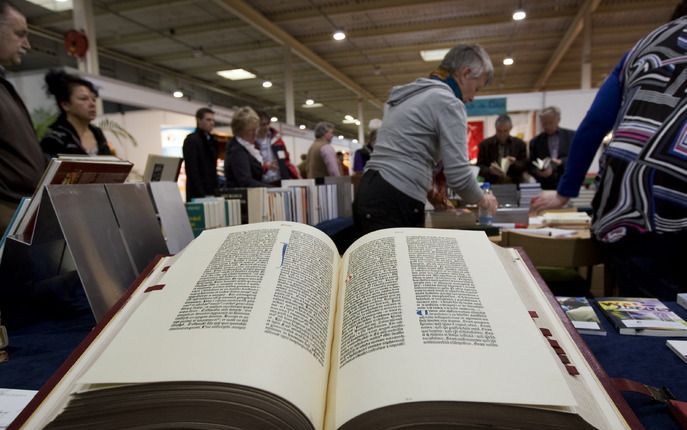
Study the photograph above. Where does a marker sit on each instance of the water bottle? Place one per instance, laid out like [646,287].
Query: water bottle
[485,217]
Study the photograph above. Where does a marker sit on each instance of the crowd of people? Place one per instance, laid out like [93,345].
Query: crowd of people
[639,211]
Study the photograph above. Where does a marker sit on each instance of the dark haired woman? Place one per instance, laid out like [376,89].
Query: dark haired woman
[72,132]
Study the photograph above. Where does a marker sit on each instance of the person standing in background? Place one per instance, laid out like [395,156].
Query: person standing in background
[21,160]
[200,157]
[362,155]
[303,166]
[552,143]
[640,206]
[243,164]
[502,146]
[425,123]
[275,157]
[322,160]
[72,132]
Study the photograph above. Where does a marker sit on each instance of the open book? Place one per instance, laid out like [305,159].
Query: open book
[265,326]
[542,164]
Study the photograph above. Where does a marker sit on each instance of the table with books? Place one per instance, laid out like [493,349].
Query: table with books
[38,345]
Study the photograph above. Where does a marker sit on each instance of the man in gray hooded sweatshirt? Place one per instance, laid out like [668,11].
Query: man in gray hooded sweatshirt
[424,122]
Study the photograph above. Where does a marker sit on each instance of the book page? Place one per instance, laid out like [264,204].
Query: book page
[250,305]
[432,315]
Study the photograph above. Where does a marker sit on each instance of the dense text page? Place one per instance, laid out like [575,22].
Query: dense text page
[248,305]
[432,315]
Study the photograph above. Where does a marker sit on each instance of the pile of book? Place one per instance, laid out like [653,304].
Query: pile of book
[527,192]
[567,219]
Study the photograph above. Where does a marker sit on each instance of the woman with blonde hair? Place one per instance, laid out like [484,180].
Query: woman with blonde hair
[243,166]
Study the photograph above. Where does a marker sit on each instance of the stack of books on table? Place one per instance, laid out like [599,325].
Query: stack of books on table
[527,192]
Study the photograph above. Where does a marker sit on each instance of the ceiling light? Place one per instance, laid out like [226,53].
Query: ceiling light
[354,140]
[310,102]
[55,6]
[349,118]
[266,84]
[236,74]
[302,126]
[519,15]
[508,61]
[339,35]
[357,122]
[274,119]
[434,54]
[178,94]
[341,137]
[312,106]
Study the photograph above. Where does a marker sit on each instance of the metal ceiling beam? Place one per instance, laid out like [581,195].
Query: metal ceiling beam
[262,24]
[574,30]
[119,6]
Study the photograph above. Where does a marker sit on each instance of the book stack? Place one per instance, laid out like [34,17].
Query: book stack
[567,219]
[583,202]
[527,192]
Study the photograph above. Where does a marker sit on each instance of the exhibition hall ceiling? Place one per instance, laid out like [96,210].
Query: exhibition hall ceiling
[181,45]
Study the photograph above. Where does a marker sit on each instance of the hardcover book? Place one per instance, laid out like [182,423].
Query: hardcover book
[72,170]
[265,326]
[582,315]
[643,316]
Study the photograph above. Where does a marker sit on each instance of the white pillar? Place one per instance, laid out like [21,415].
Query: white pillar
[361,127]
[83,21]
[586,77]
[288,88]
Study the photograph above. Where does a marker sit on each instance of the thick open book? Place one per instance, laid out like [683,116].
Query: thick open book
[265,326]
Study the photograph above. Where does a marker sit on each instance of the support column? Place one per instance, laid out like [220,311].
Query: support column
[83,21]
[361,127]
[586,76]
[288,88]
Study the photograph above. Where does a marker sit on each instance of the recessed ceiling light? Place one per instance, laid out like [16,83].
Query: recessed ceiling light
[310,102]
[302,126]
[267,84]
[178,94]
[519,15]
[357,122]
[349,118]
[236,74]
[354,140]
[341,137]
[55,6]
[274,119]
[339,35]
[312,106]
[433,54]
[508,61]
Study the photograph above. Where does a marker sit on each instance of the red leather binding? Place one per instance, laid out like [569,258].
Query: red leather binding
[612,391]
[69,362]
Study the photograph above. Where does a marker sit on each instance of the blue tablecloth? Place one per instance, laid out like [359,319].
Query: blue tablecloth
[36,350]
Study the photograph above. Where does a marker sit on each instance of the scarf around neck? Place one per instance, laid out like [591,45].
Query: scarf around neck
[441,74]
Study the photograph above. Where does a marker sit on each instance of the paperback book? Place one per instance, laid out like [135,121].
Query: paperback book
[643,317]
[582,315]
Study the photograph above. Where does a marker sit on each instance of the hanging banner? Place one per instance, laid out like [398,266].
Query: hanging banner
[483,107]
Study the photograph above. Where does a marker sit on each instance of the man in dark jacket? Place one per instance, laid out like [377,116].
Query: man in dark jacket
[551,147]
[21,160]
[502,158]
[200,157]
